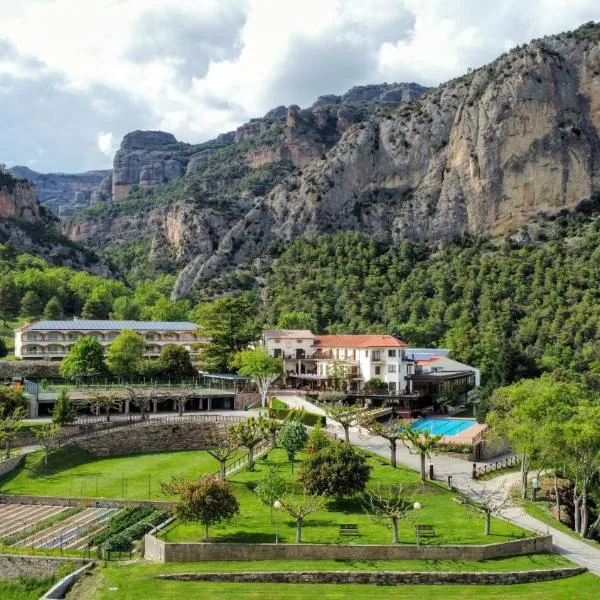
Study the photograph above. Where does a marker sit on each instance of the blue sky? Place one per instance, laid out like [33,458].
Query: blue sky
[76,76]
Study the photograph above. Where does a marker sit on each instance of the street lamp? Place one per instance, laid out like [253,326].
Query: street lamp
[276,506]
[417,506]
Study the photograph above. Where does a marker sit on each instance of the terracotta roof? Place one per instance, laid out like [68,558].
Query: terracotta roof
[359,341]
[288,333]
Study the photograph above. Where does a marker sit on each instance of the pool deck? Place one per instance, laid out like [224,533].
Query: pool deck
[470,435]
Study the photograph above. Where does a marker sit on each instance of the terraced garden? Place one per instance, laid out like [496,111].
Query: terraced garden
[138,581]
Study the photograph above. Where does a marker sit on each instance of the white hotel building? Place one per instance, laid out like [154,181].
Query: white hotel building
[308,358]
[47,340]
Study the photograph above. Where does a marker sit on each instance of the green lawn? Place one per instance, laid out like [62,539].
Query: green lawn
[453,525]
[74,472]
[136,581]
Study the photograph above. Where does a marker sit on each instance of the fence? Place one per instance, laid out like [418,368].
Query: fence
[511,461]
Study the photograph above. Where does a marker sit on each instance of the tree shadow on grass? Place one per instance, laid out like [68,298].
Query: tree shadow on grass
[245,537]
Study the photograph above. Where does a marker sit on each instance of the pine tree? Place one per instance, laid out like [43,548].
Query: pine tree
[53,309]
[64,411]
[31,305]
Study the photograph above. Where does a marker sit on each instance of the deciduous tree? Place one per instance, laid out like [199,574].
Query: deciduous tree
[293,438]
[262,368]
[84,359]
[248,434]
[222,446]
[207,499]
[389,504]
[336,471]
[300,508]
[126,354]
[391,431]
[48,438]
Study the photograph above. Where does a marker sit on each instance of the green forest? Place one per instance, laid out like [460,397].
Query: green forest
[515,307]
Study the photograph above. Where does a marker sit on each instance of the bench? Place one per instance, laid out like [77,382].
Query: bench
[425,530]
[349,529]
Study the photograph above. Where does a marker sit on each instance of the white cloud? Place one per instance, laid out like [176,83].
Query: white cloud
[200,68]
[105,143]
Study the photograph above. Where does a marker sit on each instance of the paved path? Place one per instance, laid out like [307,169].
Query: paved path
[575,550]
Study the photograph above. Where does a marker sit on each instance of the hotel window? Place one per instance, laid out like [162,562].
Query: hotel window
[111,337]
[277,352]
[377,370]
[54,337]
[376,355]
[31,337]
[391,353]
[391,368]
[150,337]
[392,386]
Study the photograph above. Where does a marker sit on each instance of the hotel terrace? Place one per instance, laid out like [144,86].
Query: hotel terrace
[308,358]
[54,339]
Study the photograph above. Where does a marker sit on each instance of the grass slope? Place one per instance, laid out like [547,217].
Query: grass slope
[74,472]
[136,581]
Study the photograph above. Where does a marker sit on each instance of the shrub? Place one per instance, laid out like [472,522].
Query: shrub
[306,418]
[317,440]
[337,471]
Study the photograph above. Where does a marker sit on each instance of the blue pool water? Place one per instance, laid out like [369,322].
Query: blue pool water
[443,426]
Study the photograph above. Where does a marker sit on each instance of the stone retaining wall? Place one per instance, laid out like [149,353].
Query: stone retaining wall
[381,577]
[161,551]
[149,437]
[17,565]
[6,466]
[86,502]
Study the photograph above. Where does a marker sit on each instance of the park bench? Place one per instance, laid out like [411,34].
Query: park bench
[425,530]
[349,529]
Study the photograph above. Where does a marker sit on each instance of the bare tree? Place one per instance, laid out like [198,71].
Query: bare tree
[141,398]
[48,436]
[388,504]
[102,401]
[222,446]
[487,500]
[389,430]
[10,426]
[301,508]
[248,434]
[346,416]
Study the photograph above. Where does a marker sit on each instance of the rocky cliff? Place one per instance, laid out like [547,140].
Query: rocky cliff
[30,227]
[175,201]
[64,193]
[480,154]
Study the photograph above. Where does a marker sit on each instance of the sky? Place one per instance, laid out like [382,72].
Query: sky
[76,75]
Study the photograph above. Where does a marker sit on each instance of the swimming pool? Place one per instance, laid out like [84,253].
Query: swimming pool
[443,426]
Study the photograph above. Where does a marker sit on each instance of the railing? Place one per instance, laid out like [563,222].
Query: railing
[511,461]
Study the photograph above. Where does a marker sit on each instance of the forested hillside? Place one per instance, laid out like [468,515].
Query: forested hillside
[515,306]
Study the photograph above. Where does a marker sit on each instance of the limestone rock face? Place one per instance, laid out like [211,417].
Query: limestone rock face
[65,192]
[480,154]
[18,200]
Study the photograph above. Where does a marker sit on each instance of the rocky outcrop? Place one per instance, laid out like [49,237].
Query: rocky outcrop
[30,227]
[481,154]
[64,193]
[18,200]
[147,158]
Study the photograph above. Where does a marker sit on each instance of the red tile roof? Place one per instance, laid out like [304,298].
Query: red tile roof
[358,341]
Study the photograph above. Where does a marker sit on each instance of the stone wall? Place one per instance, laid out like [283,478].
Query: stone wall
[16,565]
[150,437]
[381,577]
[86,502]
[160,551]
[249,399]
[6,466]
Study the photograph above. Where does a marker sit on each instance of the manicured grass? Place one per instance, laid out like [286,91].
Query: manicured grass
[136,581]
[452,524]
[277,403]
[74,472]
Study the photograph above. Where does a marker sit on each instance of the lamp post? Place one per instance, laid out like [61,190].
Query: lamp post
[417,506]
[534,488]
[276,506]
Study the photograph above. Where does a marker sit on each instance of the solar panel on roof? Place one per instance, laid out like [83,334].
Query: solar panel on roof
[83,324]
